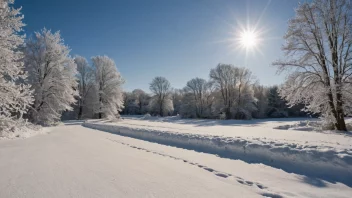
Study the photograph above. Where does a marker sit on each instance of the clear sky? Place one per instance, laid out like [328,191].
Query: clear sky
[177,39]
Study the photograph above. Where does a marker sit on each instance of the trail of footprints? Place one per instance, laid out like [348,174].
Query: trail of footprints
[215,172]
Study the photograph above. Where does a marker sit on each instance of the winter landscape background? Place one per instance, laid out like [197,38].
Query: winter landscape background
[222,133]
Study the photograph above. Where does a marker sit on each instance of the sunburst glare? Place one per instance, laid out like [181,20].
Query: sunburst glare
[248,39]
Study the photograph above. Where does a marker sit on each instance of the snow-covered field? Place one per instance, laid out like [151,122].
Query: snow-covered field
[74,161]
[325,155]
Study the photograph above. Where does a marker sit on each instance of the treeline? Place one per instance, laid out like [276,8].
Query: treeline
[229,93]
[39,80]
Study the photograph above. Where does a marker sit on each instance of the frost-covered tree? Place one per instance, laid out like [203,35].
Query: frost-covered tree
[15,95]
[85,84]
[245,100]
[177,96]
[109,86]
[136,102]
[52,74]
[261,95]
[319,53]
[201,92]
[142,100]
[161,88]
[130,103]
[188,106]
[235,85]
[166,109]
[224,78]
[197,87]
[277,107]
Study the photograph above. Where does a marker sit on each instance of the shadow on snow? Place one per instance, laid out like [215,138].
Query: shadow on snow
[310,174]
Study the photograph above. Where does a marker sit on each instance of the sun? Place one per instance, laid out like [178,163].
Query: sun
[248,39]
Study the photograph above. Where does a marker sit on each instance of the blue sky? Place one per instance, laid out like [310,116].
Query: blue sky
[177,39]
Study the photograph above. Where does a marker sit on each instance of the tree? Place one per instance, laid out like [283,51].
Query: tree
[277,107]
[224,78]
[245,100]
[235,85]
[167,107]
[109,85]
[142,100]
[131,105]
[15,95]
[201,91]
[261,94]
[318,50]
[197,87]
[160,86]
[177,96]
[188,106]
[85,82]
[52,75]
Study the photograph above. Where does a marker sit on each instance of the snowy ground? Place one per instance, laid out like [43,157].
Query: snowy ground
[315,154]
[25,132]
[74,161]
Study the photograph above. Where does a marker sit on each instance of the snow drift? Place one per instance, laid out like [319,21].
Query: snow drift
[23,130]
[326,163]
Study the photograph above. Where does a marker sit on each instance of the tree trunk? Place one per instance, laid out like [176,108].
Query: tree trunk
[161,109]
[340,116]
[80,112]
[340,122]
[338,113]
[100,101]
[228,113]
[140,107]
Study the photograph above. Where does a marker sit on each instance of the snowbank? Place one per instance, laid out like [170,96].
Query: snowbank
[311,125]
[302,126]
[23,130]
[324,162]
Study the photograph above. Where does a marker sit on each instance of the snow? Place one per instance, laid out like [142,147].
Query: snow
[275,181]
[311,125]
[25,131]
[322,155]
[74,161]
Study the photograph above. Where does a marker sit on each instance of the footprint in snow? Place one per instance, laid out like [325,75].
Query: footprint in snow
[224,175]
[271,195]
[260,186]
[208,169]
[249,183]
[219,174]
